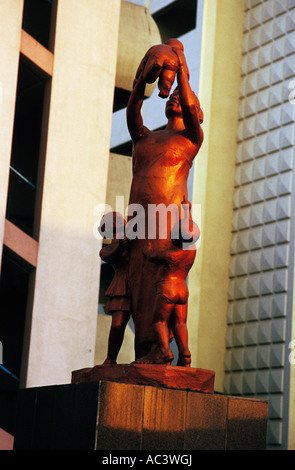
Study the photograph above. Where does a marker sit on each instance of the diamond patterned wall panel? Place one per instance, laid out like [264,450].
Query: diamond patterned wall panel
[261,269]
[265,307]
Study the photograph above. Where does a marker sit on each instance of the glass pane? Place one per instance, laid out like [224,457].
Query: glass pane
[25,147]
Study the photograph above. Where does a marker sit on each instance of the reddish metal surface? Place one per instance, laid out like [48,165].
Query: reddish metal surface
[181,378]
[163,250]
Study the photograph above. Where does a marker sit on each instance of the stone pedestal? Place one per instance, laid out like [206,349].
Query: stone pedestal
[109,415]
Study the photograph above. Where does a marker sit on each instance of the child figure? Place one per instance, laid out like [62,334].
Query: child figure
[118,303]
[172,294]
[161,61]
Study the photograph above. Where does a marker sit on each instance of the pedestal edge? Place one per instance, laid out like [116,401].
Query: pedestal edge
[176,377]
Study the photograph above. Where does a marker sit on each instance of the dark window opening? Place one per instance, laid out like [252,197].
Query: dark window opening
[124,149]
[14,285]
[37,20]
[26,147]
[176,19]
[121,98]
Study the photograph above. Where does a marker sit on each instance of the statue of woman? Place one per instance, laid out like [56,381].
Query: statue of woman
[161,163]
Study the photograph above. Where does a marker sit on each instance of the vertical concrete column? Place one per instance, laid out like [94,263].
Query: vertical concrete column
[214,181]
[64,313]
[10,36]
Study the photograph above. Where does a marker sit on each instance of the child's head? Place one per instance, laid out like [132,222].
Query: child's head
[112,225]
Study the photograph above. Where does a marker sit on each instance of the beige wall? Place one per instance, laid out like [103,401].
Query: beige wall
[119,182]
[214,182]
[137,33]
[67,277]
[126,354]
[10,37]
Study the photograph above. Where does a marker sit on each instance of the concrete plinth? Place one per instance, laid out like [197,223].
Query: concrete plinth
[117,416]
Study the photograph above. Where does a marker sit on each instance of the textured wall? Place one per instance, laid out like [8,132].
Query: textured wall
[261,270]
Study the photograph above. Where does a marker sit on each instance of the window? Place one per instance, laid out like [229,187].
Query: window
[37,20]
[26,147]
[176,19]
[121,98]
[14,285]
[24,196]
[123,149]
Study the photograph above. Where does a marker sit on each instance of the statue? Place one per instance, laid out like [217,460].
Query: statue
[170,307]
[118,305]
[161,62]
[159,261]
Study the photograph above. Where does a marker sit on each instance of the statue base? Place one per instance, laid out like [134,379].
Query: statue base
[176,377]
[106,415]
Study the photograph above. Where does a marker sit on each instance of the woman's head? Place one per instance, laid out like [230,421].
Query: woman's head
[173,105]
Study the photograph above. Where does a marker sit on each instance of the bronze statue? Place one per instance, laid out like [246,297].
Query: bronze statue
[158,261]
[161,62]
[118,305]
[170,307]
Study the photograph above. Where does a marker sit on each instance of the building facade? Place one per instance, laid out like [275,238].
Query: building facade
[67,69]
[58,62]
[260,314]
